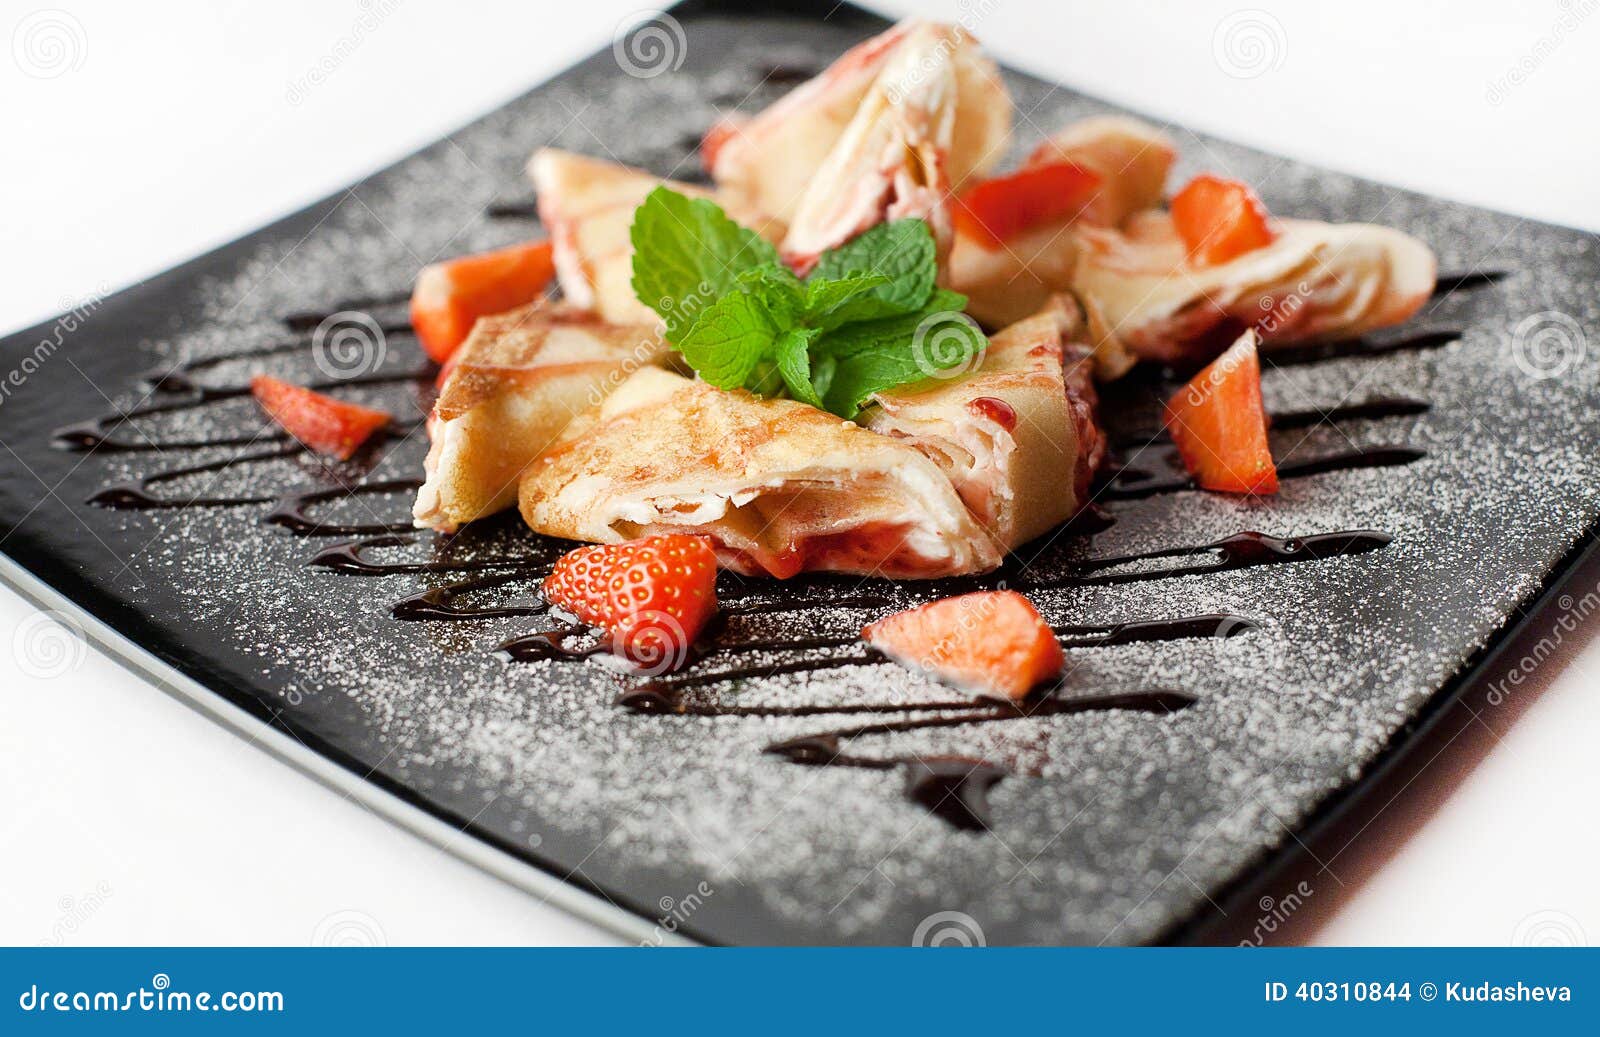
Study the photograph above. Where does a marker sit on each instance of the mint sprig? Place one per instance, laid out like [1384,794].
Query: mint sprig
[696,255]
[866,319]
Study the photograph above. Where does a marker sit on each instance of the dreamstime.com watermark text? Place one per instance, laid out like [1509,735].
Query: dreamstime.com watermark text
[1574,612]
[1275,912]
[676,911]
[157,997]
[35,358]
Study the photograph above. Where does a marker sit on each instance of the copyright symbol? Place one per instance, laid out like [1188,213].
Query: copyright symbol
[1429,991]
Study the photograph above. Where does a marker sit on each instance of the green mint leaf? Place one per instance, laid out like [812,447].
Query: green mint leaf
[902,251]
[729,340]
[778,288]
[765,380]
[861,335]
[823,368]
[938,341]
[775,276]
[687,254]
[826,302]
[793,356]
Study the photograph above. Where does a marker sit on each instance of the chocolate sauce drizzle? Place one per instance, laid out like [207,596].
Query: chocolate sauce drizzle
[95,434]
[1447,284]
[444,602]
[350,557]
[553,644]
[823,747]
[528,210]
[1372,346]
[955,788]
[306,320]
[786,75]
[1375,408]
[1133,481]
[667,691]
[136,494]
[291,513]
[1240,551]
[288,509]
[441,603]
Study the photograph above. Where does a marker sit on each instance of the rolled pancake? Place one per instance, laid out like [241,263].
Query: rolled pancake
[1006,284]
[885,132]
[1016,436]
[587,205]
[781,487]
[519,382]
[1316,280]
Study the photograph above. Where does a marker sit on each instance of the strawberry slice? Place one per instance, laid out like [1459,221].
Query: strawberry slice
[451,296]
[992,643]
[1220,219]
[721,131]
[995,211]
[322,423]
[1220,424]
[652,596]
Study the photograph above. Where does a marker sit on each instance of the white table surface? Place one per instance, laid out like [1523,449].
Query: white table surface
[137,140]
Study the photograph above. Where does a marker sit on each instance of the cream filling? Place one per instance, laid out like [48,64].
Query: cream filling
[443,453]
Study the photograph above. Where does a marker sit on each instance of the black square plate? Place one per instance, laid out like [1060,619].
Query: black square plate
[1445,478]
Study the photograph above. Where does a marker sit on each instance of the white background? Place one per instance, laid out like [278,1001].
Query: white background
[167,129]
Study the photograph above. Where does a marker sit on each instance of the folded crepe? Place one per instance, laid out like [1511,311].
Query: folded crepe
[779,486]
[1006,284]
[1123,258]
[1016,436]
[586,205]
[887,131]
[1315,280]
[518,383]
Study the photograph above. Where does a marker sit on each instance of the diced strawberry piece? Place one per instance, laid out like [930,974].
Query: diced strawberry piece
[1220,219]
[451,296]
[322,423]
[653,596]
[995,211]
[1220,424]
[990,642]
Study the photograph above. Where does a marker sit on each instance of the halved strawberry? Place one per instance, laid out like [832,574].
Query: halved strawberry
[322,423]
[1220,219]
[1220,424]
[451,296]
[990,642]
[995,211]
[652,596]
